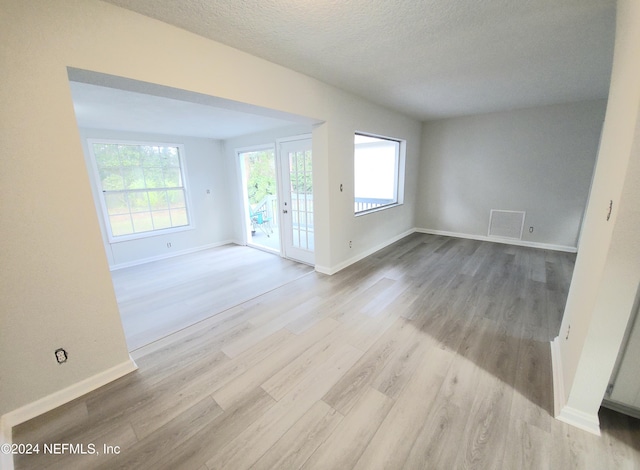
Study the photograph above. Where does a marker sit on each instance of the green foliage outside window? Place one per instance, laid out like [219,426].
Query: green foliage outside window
[300,167]
[260,168]
[143,187]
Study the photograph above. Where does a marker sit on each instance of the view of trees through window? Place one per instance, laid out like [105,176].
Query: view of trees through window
[260,169]
[301,172]
[142,186]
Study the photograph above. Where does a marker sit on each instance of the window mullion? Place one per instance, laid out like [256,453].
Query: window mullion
[166,194]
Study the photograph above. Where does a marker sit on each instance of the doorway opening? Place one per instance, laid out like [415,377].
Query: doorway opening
[174,260]
[260,191]
[277,194]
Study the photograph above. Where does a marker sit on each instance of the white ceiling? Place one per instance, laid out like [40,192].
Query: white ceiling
[426,58]
[103,107]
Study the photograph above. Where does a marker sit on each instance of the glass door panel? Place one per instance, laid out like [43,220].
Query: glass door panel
[261,198]
[297,209]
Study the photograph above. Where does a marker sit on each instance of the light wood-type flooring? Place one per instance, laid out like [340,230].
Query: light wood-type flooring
[162,297]
[432,353]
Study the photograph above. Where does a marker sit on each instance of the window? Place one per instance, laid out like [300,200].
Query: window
[377,165]
[142,186]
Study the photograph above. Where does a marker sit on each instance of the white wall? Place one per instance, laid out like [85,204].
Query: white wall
[607,271]
[211,214]
[366,232]
[538,160]
[56,289]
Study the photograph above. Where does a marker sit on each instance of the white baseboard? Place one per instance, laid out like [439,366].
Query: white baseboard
[506,241]
[621,408]
[130,264]
[562,411]
[339,267]
[580,419]
[324,270]
[50,402]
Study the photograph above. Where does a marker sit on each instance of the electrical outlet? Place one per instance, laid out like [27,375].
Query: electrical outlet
[568,330]
[350,244]
[169,245]
[531,229]
[61,355]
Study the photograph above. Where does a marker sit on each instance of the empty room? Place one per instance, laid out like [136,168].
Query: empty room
[400,235]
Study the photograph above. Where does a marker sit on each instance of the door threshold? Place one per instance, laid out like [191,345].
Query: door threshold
[265,249]
[275,252]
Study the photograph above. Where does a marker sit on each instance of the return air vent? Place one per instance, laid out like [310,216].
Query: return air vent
[506,224]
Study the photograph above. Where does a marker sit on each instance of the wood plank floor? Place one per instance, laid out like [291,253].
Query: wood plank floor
[162,297]
[432,353]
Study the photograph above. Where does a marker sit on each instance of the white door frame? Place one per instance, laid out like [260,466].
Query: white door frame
[246,227]
[281,195]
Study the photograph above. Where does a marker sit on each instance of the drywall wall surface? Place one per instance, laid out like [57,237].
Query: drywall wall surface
[539,160]
[364,232]
[605,278]
[616,296]
[367,231]
[210,213]
[56,287]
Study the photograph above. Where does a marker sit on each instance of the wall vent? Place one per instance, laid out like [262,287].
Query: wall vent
[506,224]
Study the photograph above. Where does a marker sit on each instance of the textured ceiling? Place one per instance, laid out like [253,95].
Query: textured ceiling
[427,58]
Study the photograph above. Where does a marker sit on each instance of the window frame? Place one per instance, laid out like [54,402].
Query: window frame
[398,173]
[100,193]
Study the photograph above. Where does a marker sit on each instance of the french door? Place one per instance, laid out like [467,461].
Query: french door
[296,199]
[259,189]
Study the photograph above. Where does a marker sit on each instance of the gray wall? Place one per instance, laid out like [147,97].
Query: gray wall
[538,160]
[211,215]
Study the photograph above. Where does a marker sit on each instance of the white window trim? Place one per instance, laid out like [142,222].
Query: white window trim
[399,177]
[103,205]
